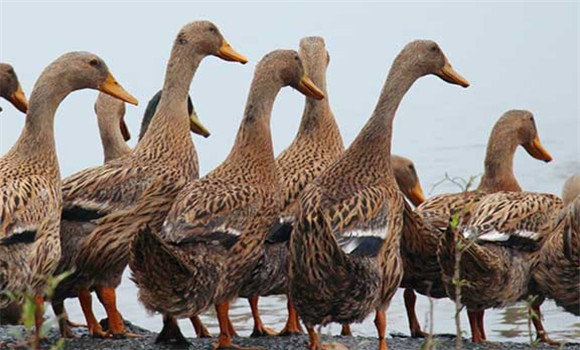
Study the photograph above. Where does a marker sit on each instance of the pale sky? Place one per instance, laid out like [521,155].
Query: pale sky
[516,55]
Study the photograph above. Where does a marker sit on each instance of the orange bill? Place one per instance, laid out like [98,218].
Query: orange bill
[113,88]
[536,150]
[226,52]
[307,87]
[18,99]
[449,74]
[416,195]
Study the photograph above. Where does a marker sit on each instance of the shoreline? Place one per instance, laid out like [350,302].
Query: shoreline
[11,335]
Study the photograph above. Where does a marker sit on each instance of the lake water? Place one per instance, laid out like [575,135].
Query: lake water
[433,158]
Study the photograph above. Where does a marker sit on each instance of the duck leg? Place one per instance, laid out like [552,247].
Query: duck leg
[345,331]
[231,328]
[476,336]
[200,329]
[170,333]
[536,316]
[86,300]
[108,298]
[410,299]
[38,321]
[381,324]
[480,325]
[62,317]
[259,329]
[314,340]
[292,326]
[225,339]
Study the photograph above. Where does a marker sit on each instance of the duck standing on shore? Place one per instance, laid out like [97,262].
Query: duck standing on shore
[345,259]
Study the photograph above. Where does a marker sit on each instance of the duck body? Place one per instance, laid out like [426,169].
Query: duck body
[557,267]
[501,240]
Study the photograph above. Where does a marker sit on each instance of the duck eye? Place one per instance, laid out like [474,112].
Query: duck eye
[212,29]
[434,48]
[94,62]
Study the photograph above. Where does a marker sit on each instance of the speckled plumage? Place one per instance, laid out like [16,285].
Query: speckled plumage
[355,202]
[504,232]
[557,269]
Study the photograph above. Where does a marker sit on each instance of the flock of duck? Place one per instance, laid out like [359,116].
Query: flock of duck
[327,226]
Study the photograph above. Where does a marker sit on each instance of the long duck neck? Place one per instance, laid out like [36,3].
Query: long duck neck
[372,147]
[114,145]
[499,158]
[317,119]
[171,121]
[36,142]
[253,151]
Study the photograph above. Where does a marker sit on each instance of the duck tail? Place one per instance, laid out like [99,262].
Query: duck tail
[161,273]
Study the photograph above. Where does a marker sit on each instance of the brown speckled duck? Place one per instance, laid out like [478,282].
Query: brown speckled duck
[214,235]
[163,161]
[408,182]
[419,245]
[30,184]
[557,270]
[317,145]
[503,234]
[345,257]
[10,88]
[114,134]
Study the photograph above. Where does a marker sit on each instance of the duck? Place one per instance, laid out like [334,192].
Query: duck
[317,144]
[214,234]
[161,162]
[408,181]
[501,238]
[345,259]
[30,182]
[10,88]
[425,227]
[556,269]
[114,134]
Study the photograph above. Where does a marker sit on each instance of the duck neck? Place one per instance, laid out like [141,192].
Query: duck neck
[171,120]
[499,158]
[253,150]
[318,121]
[372,147]
[36,142]
[114,145]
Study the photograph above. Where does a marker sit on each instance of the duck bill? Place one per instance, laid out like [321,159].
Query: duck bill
[113,88]
[124,130]
[449,74]
[227,53]
[536,150]
[18,99]
[307,87]
[196,126]
[416,195]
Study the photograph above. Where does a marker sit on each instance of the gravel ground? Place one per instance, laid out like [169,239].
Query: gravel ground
[10,335]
